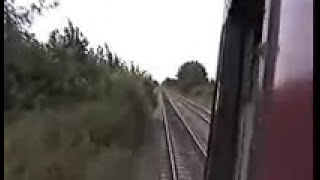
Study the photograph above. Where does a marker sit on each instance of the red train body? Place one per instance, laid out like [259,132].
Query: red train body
[263,104]
[288,114]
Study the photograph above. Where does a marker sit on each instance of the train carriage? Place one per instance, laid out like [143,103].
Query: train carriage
[262,107]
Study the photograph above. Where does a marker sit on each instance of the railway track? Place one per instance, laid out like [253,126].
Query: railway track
[195,105]
[204,113]
[186,137]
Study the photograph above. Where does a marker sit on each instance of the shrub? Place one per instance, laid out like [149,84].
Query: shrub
[67,143]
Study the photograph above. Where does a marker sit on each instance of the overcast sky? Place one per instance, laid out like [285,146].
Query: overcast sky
[157,35]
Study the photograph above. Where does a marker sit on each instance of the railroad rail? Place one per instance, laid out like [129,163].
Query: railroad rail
[186,139]
[204,115]
[169,153]
[203,112]
[196,105]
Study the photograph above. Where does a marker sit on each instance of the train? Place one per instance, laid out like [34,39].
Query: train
[262,113]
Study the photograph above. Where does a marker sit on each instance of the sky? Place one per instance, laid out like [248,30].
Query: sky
[159,36]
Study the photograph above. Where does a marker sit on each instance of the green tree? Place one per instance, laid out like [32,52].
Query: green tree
[192,73]
[71,40]
[20,47]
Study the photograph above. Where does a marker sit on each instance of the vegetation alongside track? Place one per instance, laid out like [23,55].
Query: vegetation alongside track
[71,112]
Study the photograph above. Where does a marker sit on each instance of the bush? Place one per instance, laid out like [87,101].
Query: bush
[67,143]
[67,115]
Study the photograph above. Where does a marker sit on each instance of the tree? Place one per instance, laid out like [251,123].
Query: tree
[20,47]
[72,40]
[191,73]
[212,81]
[17,18]
[108,55]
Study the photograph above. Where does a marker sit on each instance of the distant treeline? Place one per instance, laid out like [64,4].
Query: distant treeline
[190,74]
